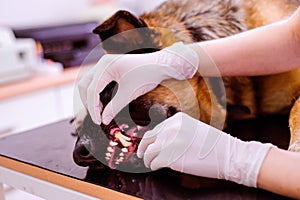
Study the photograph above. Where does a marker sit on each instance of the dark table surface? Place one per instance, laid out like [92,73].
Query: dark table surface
[50,147]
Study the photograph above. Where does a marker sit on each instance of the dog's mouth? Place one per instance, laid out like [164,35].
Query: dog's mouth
[115,145]
[123,141]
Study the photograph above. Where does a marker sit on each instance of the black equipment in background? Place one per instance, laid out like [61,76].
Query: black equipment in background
[68,44]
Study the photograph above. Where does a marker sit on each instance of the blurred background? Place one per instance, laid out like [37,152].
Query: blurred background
[35,13]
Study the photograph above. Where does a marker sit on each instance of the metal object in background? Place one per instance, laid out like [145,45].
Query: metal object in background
[17,56]
[68,44]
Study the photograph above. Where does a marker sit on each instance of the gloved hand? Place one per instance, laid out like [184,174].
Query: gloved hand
[136,74]
[190,146]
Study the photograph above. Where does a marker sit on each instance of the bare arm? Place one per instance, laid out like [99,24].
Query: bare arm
[280,173]
[265,50]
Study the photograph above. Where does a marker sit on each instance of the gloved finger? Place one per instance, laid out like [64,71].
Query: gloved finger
[118,102]
[83,84]
[148,138]
[94,105]
[101,75]
[151,152]
[154,147]
[163,159]
[129,89]
[159,131]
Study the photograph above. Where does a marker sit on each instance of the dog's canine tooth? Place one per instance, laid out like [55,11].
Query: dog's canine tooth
[125,137]
[125,150]
[108,154]
[124,142]
[112,143]
[119,135]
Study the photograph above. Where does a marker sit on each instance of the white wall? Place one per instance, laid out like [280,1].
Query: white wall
[28,13]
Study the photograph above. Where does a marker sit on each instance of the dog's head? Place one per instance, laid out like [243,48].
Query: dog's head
[115,145]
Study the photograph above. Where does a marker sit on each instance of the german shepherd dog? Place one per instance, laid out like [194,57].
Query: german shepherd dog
[188,21]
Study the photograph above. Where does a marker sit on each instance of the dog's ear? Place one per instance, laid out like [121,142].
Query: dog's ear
[124,33]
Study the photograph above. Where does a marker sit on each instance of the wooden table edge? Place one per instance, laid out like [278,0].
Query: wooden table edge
[64,181]
[40,82]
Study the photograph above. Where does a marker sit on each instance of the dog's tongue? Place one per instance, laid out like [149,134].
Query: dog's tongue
[111,163]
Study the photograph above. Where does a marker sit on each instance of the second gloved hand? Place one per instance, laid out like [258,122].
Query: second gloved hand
[190,146]
[136,75]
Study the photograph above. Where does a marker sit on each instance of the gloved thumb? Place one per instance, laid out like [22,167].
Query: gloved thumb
[113,108]
[127,92]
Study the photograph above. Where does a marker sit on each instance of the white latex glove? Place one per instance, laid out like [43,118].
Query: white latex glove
[190,146]
[136,75]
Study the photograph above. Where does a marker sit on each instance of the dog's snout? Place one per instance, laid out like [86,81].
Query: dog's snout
[82,155]
[82,151]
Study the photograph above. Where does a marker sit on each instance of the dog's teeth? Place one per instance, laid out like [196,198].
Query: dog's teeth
[125,143]
[125,150]
[121,156]
[117,163]
[125,126]
[110,149]
[119,160]
[107,158]
[112,143]
[119,135]
[108,154]
[125,137]
[124,140]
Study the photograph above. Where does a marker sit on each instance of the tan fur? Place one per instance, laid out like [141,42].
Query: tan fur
[295,127]
[259,13]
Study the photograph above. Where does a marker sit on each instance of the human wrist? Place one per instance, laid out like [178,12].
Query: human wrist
[245,160]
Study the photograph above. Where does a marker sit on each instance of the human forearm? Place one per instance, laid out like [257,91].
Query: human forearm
[266,50]
[280,173]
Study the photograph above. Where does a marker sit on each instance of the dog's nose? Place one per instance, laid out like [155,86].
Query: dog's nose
[83,157]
